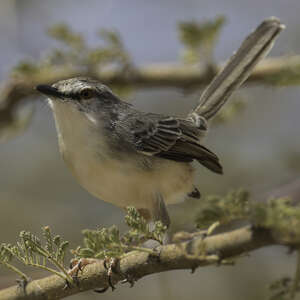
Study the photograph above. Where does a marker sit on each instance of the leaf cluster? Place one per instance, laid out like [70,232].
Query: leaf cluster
[109,242]
[30,251]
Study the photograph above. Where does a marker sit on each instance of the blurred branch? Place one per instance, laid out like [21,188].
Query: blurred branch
[199,252]
[111,64]
[272,71]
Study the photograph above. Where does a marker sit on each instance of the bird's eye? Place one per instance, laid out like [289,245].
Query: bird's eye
[87,93]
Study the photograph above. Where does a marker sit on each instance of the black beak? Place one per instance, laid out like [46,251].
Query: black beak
[48,90]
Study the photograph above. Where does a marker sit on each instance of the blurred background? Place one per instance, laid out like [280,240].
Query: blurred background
[258,148]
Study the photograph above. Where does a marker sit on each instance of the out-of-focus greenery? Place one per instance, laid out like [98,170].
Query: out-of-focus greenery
[233,206]
[74,53]
[199,39]
[286,287]
[277,215]
[279,289]
[289,77]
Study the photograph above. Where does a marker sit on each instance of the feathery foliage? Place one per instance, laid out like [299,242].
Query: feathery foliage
[6,257]
[30,251]
[108,242]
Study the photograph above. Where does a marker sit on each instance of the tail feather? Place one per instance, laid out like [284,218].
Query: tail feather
[254,48]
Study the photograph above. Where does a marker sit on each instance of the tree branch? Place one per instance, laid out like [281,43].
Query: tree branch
[195,253]
[278,71]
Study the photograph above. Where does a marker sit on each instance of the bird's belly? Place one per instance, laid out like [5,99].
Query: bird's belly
[127,183]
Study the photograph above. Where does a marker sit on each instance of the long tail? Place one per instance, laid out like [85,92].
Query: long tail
[254,48]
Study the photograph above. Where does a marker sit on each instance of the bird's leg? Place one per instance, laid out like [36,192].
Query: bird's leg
[160,211]
[77,265]
[110,264]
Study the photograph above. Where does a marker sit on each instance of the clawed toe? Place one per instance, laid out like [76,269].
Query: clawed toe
[76,266]
[112,267]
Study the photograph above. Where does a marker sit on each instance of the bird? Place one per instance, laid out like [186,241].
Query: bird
[129,157]
[125,156]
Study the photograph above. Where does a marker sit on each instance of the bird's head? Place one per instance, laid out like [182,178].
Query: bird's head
[81,93]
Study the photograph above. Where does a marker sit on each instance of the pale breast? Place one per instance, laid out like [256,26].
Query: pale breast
[125,183]
[120,181]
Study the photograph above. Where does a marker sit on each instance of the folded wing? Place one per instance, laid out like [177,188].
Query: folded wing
[172,138]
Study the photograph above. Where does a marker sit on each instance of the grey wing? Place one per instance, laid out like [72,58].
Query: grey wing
[172,138]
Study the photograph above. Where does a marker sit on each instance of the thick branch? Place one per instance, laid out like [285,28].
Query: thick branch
[185,255]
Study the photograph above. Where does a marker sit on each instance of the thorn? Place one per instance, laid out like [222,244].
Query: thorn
[212,228]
